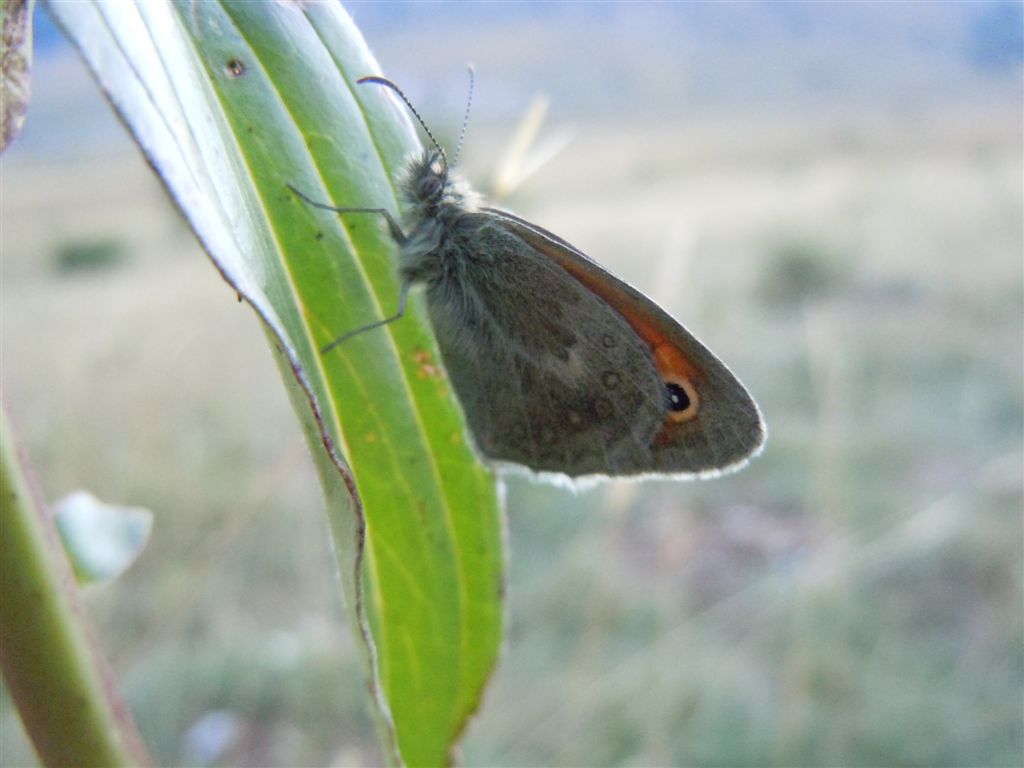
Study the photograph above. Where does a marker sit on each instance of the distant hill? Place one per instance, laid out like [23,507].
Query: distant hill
[633,61]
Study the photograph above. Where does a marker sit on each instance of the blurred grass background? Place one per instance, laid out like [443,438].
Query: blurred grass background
[829,195]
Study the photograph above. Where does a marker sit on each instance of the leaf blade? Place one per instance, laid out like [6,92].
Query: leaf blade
[243,99]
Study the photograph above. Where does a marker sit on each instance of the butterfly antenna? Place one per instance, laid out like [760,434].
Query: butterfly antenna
[465,120]
[388,84]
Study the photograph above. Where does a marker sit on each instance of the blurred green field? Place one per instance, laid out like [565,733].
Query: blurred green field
[853,597]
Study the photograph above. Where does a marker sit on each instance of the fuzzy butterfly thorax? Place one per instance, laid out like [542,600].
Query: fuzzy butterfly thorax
[437,203]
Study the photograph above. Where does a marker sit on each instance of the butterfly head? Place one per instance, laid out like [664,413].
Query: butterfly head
[430,187]
[429,177]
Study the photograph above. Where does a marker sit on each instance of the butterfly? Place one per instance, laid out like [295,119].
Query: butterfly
[560,367]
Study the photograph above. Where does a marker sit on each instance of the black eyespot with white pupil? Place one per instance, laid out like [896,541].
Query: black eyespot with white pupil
[676,398]
[682,400]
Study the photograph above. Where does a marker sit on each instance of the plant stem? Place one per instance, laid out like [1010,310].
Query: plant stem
[62,687]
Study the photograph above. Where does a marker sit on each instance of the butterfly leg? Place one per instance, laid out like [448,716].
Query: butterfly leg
[402,297]
[396,231]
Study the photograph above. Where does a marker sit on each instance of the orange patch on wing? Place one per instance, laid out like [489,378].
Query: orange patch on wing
[673,365]
[669,358]
[672,362]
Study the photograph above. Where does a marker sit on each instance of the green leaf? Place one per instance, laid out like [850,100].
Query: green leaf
[231,101]
[101,540]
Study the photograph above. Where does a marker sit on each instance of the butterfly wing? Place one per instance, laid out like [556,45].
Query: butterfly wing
[561,367]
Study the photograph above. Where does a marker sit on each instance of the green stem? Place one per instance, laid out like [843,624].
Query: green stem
[62,687]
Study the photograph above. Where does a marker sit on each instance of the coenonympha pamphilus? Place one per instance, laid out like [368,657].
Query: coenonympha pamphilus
[560,366]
